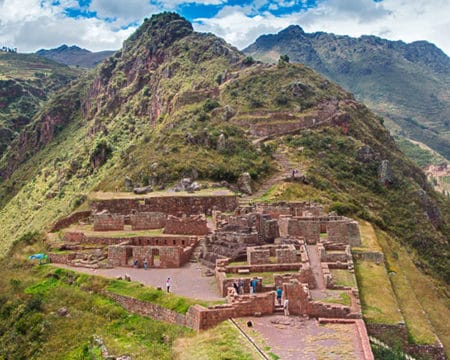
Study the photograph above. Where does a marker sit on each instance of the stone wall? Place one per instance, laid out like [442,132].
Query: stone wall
[373,256]
[334,255]
[344,231]
[286,255]
[169,256]
[258,255]
[69,220]
[108,222]
[189,225]
[152,240]
[147,220]
[309,229]
[61,258]
[173,205]
[275,210]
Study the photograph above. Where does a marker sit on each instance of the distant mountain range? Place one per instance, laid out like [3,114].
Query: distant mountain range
[76,56]
[407,84]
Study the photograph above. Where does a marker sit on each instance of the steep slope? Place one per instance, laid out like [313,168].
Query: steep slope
[26,81]
[174,103]
[75,56]
[406,83]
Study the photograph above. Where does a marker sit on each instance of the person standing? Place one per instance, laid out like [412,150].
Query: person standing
[253,284]
[168,284]
[279,294]
[241,287]
[286,307]
[145,264]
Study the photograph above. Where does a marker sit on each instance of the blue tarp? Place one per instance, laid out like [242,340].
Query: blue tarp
[38,256]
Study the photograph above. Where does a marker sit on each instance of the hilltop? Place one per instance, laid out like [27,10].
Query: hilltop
[75,56]
[173,103]
[407,84]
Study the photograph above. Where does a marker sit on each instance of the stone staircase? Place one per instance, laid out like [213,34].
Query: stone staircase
[278,310]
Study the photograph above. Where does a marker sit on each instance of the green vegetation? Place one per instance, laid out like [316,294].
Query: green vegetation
[267,277]
[26,81]
[33,326]
[170,301]
[416,153]
[399,81]
[343,277]
[342,298]
[378,300]
[222,342]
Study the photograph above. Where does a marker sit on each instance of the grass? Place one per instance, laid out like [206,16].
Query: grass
[170,301]
[30,326]
[267,277]
[369,239]
[343,299]
[424,304]
[378,300]
[343,277]
[222,342]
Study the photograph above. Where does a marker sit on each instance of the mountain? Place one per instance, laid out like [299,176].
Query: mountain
[174,103]
[408,84]
[75,56]
[26,81]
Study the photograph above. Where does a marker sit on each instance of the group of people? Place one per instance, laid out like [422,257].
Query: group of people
[238,286]
[144,263]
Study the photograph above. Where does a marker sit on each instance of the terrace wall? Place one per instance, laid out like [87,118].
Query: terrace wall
[148,220]
[173,205]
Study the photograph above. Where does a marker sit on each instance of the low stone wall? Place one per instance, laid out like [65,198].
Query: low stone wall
[148,220]
[174,240]
[148,309]
[309,229]
[189,225]
[69,220]
[264,268]
[108,222]
[372,256]
[61,258]
[173,205]
[75,236]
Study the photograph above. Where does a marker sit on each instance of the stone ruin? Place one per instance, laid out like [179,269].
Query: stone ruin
[298,242]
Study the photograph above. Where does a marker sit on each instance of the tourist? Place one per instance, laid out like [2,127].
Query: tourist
[241,287]
[279,294]
[236,287]
[145,264]
[136,263]
[286,307]
[168,283]
[253,284]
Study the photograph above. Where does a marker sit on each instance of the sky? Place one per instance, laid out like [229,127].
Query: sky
[30,25]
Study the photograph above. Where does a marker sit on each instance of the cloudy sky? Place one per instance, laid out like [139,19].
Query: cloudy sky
[97,25]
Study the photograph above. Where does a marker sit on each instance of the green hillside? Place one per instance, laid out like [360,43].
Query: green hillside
[155,111]
[26,82]
[408,84]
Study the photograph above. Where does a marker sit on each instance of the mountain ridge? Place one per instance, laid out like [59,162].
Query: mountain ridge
[75,56]
[405,83]
[174,103]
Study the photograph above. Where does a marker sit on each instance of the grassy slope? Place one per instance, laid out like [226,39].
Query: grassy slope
[31,328]
[26,81]
[412,96]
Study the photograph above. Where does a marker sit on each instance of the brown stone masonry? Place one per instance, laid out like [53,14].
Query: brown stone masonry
[148,220]
[173,205]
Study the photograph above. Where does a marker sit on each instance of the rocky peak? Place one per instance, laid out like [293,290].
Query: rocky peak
[159,31]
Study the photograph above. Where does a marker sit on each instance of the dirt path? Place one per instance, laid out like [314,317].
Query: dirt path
[294,338]
[284,172]
[186,281]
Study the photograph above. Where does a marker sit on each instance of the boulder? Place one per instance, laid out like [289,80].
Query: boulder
[385,174]
[221,142]
[244,183]
[366,154]
[142,190]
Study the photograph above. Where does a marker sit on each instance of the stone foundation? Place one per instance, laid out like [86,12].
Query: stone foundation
[173,204]
[108,222]
[190,225]
[148,220]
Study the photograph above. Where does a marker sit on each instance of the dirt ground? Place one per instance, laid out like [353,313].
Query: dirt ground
[188,280]
[294,338]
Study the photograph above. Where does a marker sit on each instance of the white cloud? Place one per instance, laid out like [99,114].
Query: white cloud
[392,19]
[124,11]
